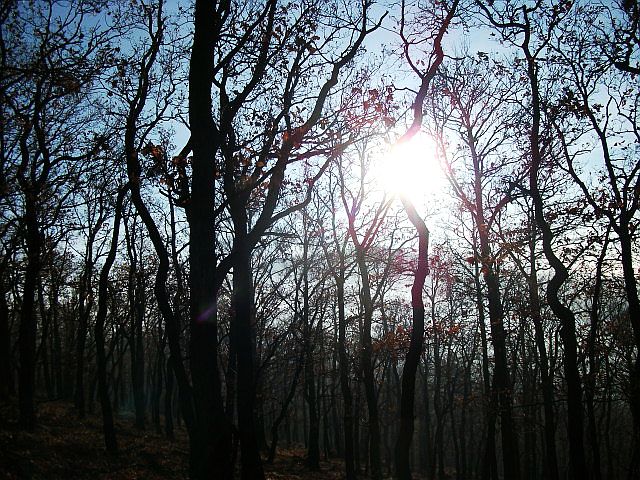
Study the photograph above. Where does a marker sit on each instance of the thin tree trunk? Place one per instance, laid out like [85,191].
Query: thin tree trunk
[347,396]
[407,397]
[356,431]
[368,376]
[631,290]
[551,459]
[428,450]
[168,401]
[157,384]
[489,468]
[6,371]
[466,470]
[335,421]
[313,445]
[28,320]
[501,378]
[84,311]
[103,389]
[561,311]
[283,410]
[135,293]
[592,347]
[45,316]
[83,319]
[56,345]
[245,348]
[313,449]
[137,350]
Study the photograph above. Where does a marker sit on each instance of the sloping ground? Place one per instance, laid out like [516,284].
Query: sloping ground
[289,465]
[63,447]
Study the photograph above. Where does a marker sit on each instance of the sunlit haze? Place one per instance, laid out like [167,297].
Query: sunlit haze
[411,169]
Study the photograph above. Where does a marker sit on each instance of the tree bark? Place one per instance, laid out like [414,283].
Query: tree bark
[245,348]
[551,459]
[345,388]
[407,397]
[366,359]
[6,371]
[489,466]
[103,389]
[283,410]
[136,342]
[84,311]
[168,401]
[313,445]
[564,314]
[592,357]
[28,321]
[211,446]
[502,388]
[631,290]
[83,319]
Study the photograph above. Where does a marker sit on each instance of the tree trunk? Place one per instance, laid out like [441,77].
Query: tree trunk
[168,401]
[570,362]
[551,459]
[157,385]
[631,290]
[313,445]
[438,464]
[283,410]
[84,311]
[6,371]
[28,320]
[245,348]
[42,353]
[347,396]
[564,314]
[137,350]
[357,449]
[501,379]
[368,375]
[101,315]
[428,451]
[83,319]
[592,347]
[56,346]
[464,458]
[489,468]
[211,446]
[407,397]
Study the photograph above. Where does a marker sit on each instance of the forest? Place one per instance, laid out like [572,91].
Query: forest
[266,239]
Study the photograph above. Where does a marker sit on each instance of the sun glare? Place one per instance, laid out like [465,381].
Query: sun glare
[411,169]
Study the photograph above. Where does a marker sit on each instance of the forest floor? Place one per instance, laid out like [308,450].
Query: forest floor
[64,447]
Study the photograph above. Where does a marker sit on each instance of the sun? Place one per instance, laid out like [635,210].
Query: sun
[411,169]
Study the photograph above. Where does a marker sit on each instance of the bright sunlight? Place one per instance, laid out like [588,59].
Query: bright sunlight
[411,169]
